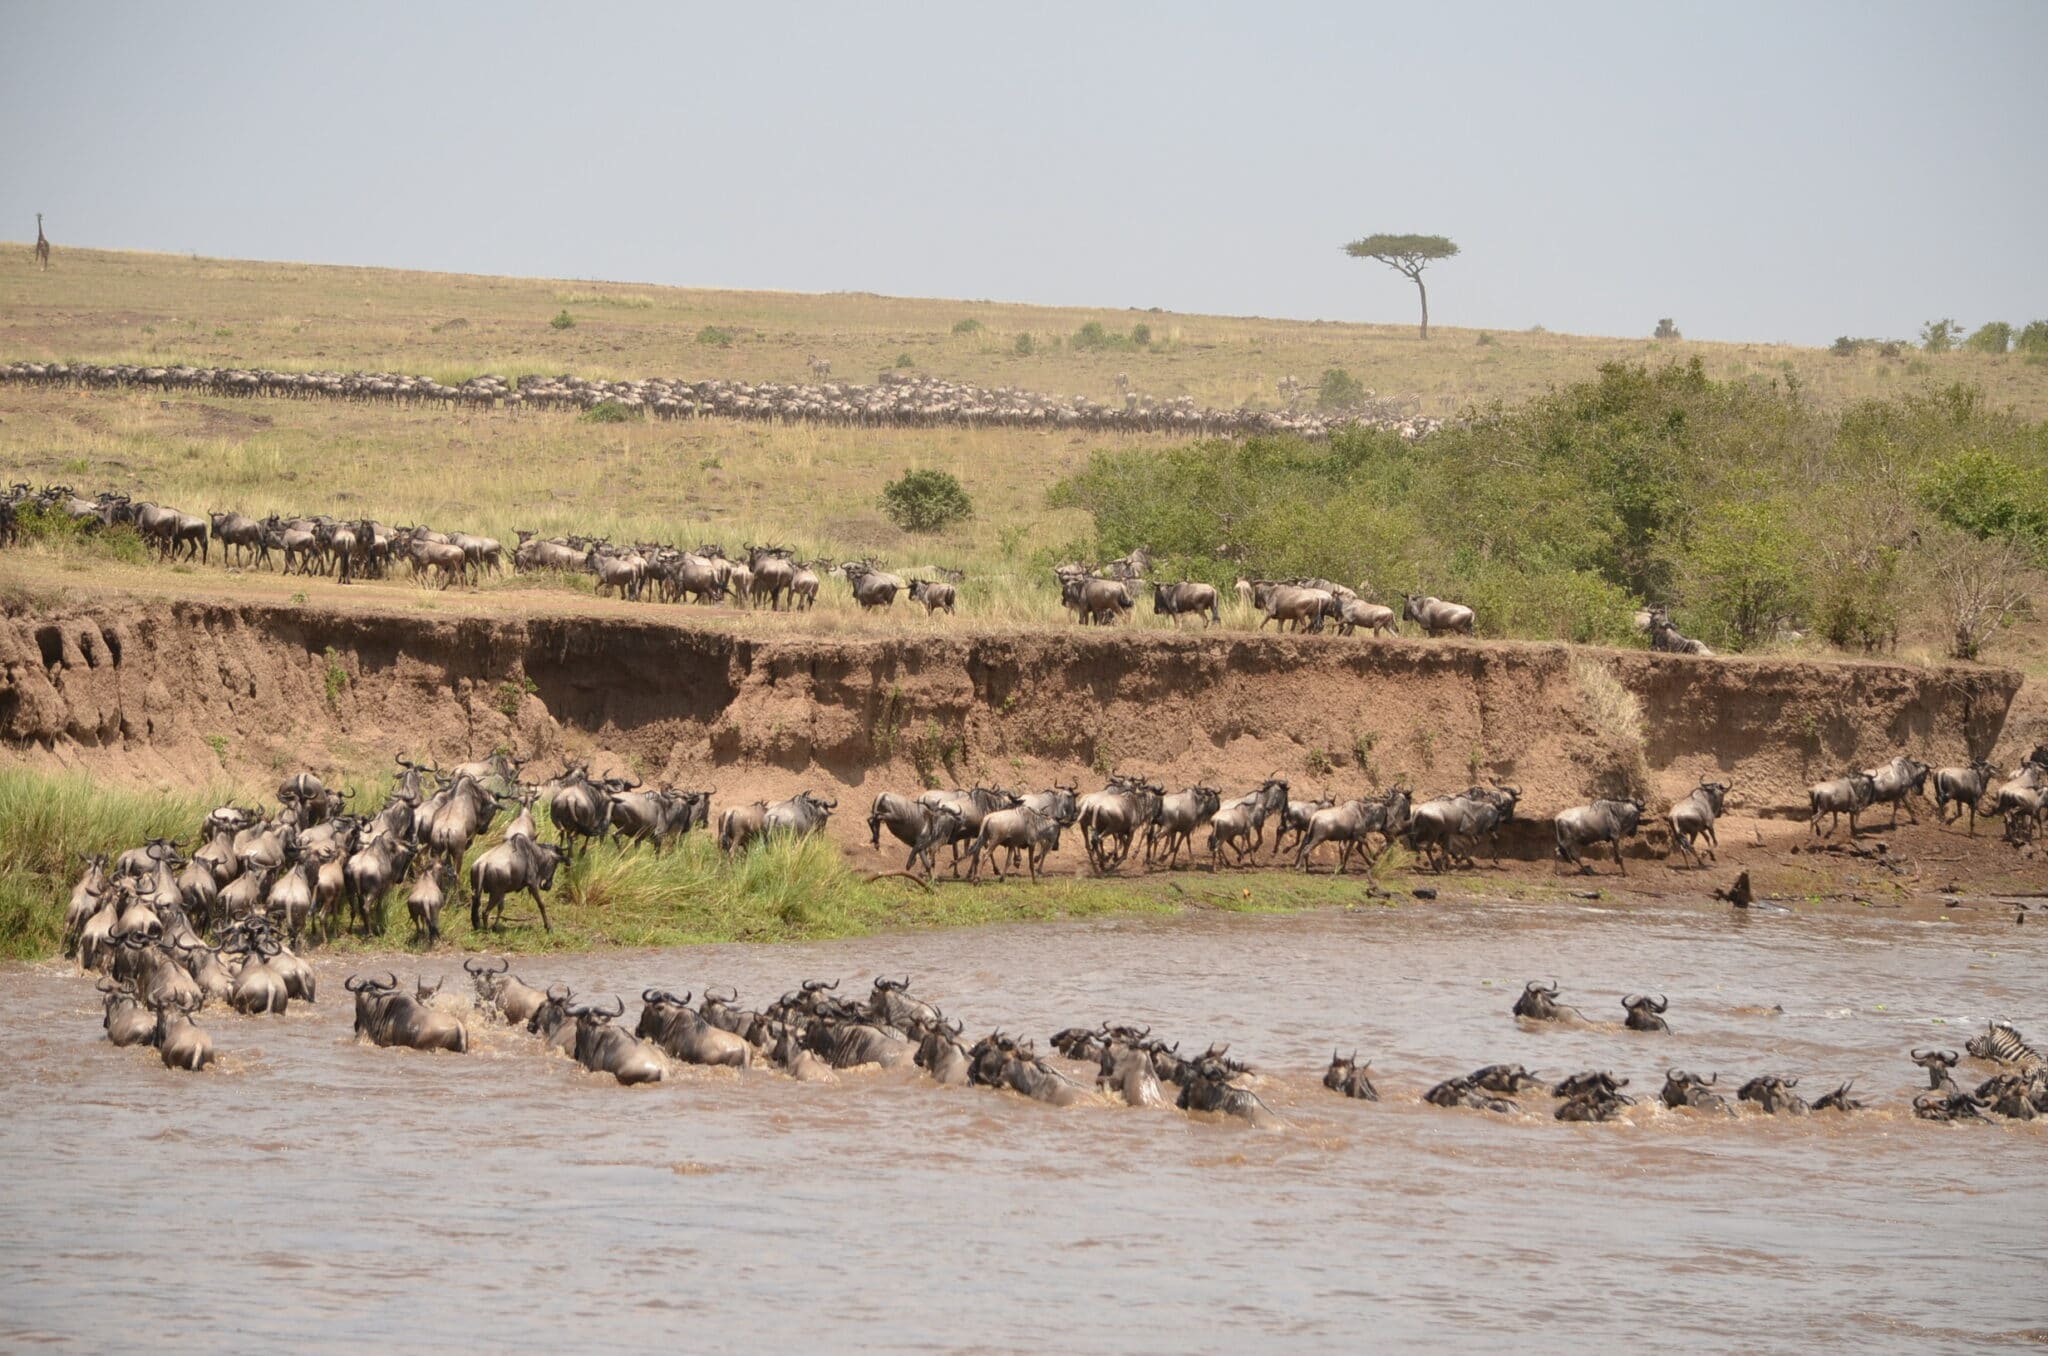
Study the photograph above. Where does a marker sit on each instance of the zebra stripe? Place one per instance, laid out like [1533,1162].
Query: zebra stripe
[2003,1044]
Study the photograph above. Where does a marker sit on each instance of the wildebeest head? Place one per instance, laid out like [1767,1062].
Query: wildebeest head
[1939,1065]
[1645,1013]
[1593,1081]
[1774,1095]
[1838,1100]
[1540,1004]
[1682,1089]
[1349,1077]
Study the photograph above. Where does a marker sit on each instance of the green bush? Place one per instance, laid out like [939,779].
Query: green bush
[715,336]
[59,531]
[1744,578]
[2034,338]
[1340,390]
[967,325]
[1995,337]
[563,321]
[1141,336]
[1939,336]
[1845,347]
[1024,347]
[608,412]
[926,501]
[905,360]
[1092,336]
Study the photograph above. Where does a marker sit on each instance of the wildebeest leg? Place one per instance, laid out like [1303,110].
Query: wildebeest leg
[540,903]
[1617,857]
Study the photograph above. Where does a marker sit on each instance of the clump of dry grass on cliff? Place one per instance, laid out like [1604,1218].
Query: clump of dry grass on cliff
[1615,713]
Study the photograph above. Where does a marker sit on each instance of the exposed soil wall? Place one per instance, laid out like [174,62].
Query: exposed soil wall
[195,692]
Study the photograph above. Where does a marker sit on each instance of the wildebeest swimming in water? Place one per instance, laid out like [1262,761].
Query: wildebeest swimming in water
[1682,1089]
[1455,1092]
[1539,1004]
[1348,1076]
[1646,1013]
[1774,1095]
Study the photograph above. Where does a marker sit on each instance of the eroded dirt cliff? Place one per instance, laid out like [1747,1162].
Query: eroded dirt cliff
[194,693]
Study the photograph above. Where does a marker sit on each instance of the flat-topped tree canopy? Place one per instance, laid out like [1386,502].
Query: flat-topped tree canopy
[1406,254]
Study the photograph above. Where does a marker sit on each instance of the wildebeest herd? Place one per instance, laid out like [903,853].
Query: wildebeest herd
[153,989]
[896,399]
[170,933]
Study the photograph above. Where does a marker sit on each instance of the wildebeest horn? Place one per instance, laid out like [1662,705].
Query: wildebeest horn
[621,1005]
[566,993]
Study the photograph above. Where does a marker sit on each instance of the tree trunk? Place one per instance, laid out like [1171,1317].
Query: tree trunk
[1417,275]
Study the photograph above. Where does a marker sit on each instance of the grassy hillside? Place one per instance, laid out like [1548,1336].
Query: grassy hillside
[1594,483]
[167,308]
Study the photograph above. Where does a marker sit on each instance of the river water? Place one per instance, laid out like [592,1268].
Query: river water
[312,1192]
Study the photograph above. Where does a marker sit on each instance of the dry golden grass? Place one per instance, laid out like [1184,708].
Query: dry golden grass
[161,308]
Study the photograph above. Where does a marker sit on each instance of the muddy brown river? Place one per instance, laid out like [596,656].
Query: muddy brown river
[315,1193]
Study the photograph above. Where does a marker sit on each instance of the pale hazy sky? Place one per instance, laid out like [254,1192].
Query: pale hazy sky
[1768,171]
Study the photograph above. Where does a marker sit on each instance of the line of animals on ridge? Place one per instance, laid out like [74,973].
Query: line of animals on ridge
[896,399]
[364,548]
[810,1032]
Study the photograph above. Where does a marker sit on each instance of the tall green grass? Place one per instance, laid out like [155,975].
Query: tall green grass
[49,823]
[783,891]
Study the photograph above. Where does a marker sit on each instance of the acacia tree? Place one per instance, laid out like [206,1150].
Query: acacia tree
[1408,255]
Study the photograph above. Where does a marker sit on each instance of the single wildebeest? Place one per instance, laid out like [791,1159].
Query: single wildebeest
[1774,1095]
[1128,1072]
[890,1003]
[800,816]
[1457,1092]
[1294,819]
[1849,795]
[1180,814]
[1506,1079]
[940,1054]
[1962,787]
[1178,600]
[1682,1089]
[1693,818]
[2008,1095]
[1896,783]
[1447,829]
[1646,1013]
[1095,601]
[1539,1004]
[1591,1106]
[1351,824]
[1940,1066]
[739,825]
[424,901]
[1604,821]
[1592,1083]
[1664,636]
[512,997]
[1947,1107]
[1036,835]
[1349,1077]
[1111,818]
[126,1018]
[390,1016]
[1210,1089]
[1241,825]
[1294,607]
[603,1048]
[936,596]
[641,816]
[1353,613]
[513,865]
[180,1043]
[909,822]
[1435,616]
[1839,1100]
[670,1023]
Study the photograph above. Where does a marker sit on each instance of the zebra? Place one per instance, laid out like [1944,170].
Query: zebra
[2002,1044]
